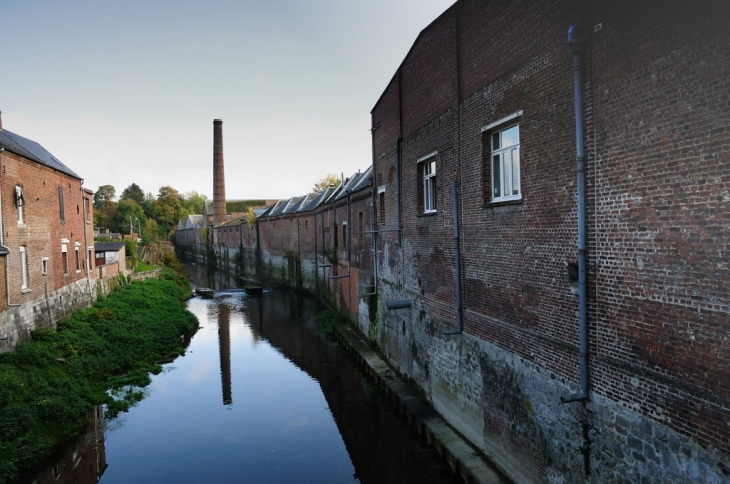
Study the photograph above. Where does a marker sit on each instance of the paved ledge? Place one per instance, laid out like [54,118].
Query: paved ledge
[461,455]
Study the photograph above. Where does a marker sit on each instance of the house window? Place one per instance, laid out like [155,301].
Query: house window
[87,209]
[89,258]
[381,205]
[23,268]
[61,205]
[344,235]
[360,230]
[64,258]
[19,202]
[427,171]
[44,266]
[78,259]
[504,158]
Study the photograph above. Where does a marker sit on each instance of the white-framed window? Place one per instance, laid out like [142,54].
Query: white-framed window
[504,158]
[64,258]
[78,259]
[23,268]
[44,265]
[381,205]
[427,170]
[19,202]
[344,235]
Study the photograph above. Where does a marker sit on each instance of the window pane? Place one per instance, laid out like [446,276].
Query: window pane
[515,172]
[495,141]
[496,176]
[511,136]
[433,167]
[507,169]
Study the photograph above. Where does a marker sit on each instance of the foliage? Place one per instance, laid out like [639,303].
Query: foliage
[102,354]
[130,249]
[329,319]
[129,216]
[104,196]
[134,193]
[243,205]
[193,203]
[250,217]
[167,210]
[143,267]
[324,183]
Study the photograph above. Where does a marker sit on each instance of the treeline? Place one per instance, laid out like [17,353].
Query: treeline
[153,218]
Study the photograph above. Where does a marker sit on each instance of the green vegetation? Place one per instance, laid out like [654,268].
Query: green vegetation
[329,319]
[143,267]
[102,354]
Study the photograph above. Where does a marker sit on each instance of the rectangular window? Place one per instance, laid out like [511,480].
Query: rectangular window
[381,206]
[87,209]
[44,266]
[427,170]
[360,230]
[505,163]
[64,258]
[61,205]
[78,259]
[19,202]
[89,258]
[344,235]
[23,268]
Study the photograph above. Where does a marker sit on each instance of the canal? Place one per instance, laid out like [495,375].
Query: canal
[260,396]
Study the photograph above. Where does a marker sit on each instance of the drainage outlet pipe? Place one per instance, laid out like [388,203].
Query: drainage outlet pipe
[398,304]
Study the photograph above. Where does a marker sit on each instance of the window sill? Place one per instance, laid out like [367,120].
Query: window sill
[427,214]
[503,203]
[25,291]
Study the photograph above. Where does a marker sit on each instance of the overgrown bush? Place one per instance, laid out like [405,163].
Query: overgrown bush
[329,319]
[102,354]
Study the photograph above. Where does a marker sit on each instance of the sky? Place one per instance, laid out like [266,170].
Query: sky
[126,91]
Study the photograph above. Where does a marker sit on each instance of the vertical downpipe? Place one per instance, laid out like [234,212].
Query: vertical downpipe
[576,44]
[397,188]
[457,253]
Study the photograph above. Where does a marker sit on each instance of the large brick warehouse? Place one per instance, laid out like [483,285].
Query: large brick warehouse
[570,298]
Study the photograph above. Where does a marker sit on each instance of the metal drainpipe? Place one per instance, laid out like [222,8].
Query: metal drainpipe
[576,44]
[457,253]
[397,188]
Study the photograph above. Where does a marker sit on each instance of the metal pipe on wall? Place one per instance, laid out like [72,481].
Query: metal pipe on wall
[457,254]
[576,45]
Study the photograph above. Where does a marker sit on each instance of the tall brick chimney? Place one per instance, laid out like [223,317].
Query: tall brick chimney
[219,179]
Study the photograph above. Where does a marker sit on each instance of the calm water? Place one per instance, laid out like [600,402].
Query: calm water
[259,397]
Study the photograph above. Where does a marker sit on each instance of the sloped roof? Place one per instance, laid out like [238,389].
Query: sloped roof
[33,151]
[108,246]
[193,221]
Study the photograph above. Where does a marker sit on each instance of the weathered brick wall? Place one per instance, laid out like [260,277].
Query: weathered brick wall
[656,84]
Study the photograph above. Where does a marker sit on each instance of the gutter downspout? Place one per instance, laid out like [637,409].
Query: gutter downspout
[576,44]
[397,188]
[457,253]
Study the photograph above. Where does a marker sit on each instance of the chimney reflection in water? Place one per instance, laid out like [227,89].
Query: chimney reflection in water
[224,345]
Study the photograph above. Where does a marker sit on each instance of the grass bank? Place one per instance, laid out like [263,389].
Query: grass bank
[101,354]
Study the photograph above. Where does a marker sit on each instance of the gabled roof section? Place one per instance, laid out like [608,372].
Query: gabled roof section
[308,202]
[33,151]
[356,182]
[193,221]
[108,246]
[294,204]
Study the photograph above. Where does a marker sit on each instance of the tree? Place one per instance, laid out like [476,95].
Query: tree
[329,179]
[128,210]
[104,196]
[193,202]
[133,192]
[167,209]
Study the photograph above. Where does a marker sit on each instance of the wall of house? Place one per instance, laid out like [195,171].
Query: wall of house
[658,177]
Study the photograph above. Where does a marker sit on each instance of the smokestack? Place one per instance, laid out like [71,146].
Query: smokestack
[1,120]
[219,179]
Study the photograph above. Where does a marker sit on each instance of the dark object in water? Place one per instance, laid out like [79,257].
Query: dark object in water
[204,292]
[253,289]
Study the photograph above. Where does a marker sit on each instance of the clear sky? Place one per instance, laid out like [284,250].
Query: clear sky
[126,91]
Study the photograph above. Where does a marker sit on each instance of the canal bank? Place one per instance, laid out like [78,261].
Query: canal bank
[462,457]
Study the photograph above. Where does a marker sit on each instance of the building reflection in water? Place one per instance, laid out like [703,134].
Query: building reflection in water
[224,346]
[85,462]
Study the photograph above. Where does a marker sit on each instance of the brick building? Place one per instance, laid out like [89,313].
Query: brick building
[47,238]
[486,99]
[555,210]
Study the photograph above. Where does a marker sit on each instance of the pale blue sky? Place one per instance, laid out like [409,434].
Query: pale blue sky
[126,91]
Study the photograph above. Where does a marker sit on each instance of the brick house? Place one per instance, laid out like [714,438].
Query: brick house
[486,99]
[47,238]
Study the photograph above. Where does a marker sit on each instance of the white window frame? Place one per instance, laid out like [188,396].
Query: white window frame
[44,266]
[19,202]
[24,281]
[504,158]
[78,256]
[64,258]
[427,171]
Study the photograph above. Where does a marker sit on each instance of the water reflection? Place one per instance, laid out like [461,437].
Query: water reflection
[300,411]
[224,345]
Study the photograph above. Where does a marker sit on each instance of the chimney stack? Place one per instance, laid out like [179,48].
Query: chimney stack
[1,120]
[219,179]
